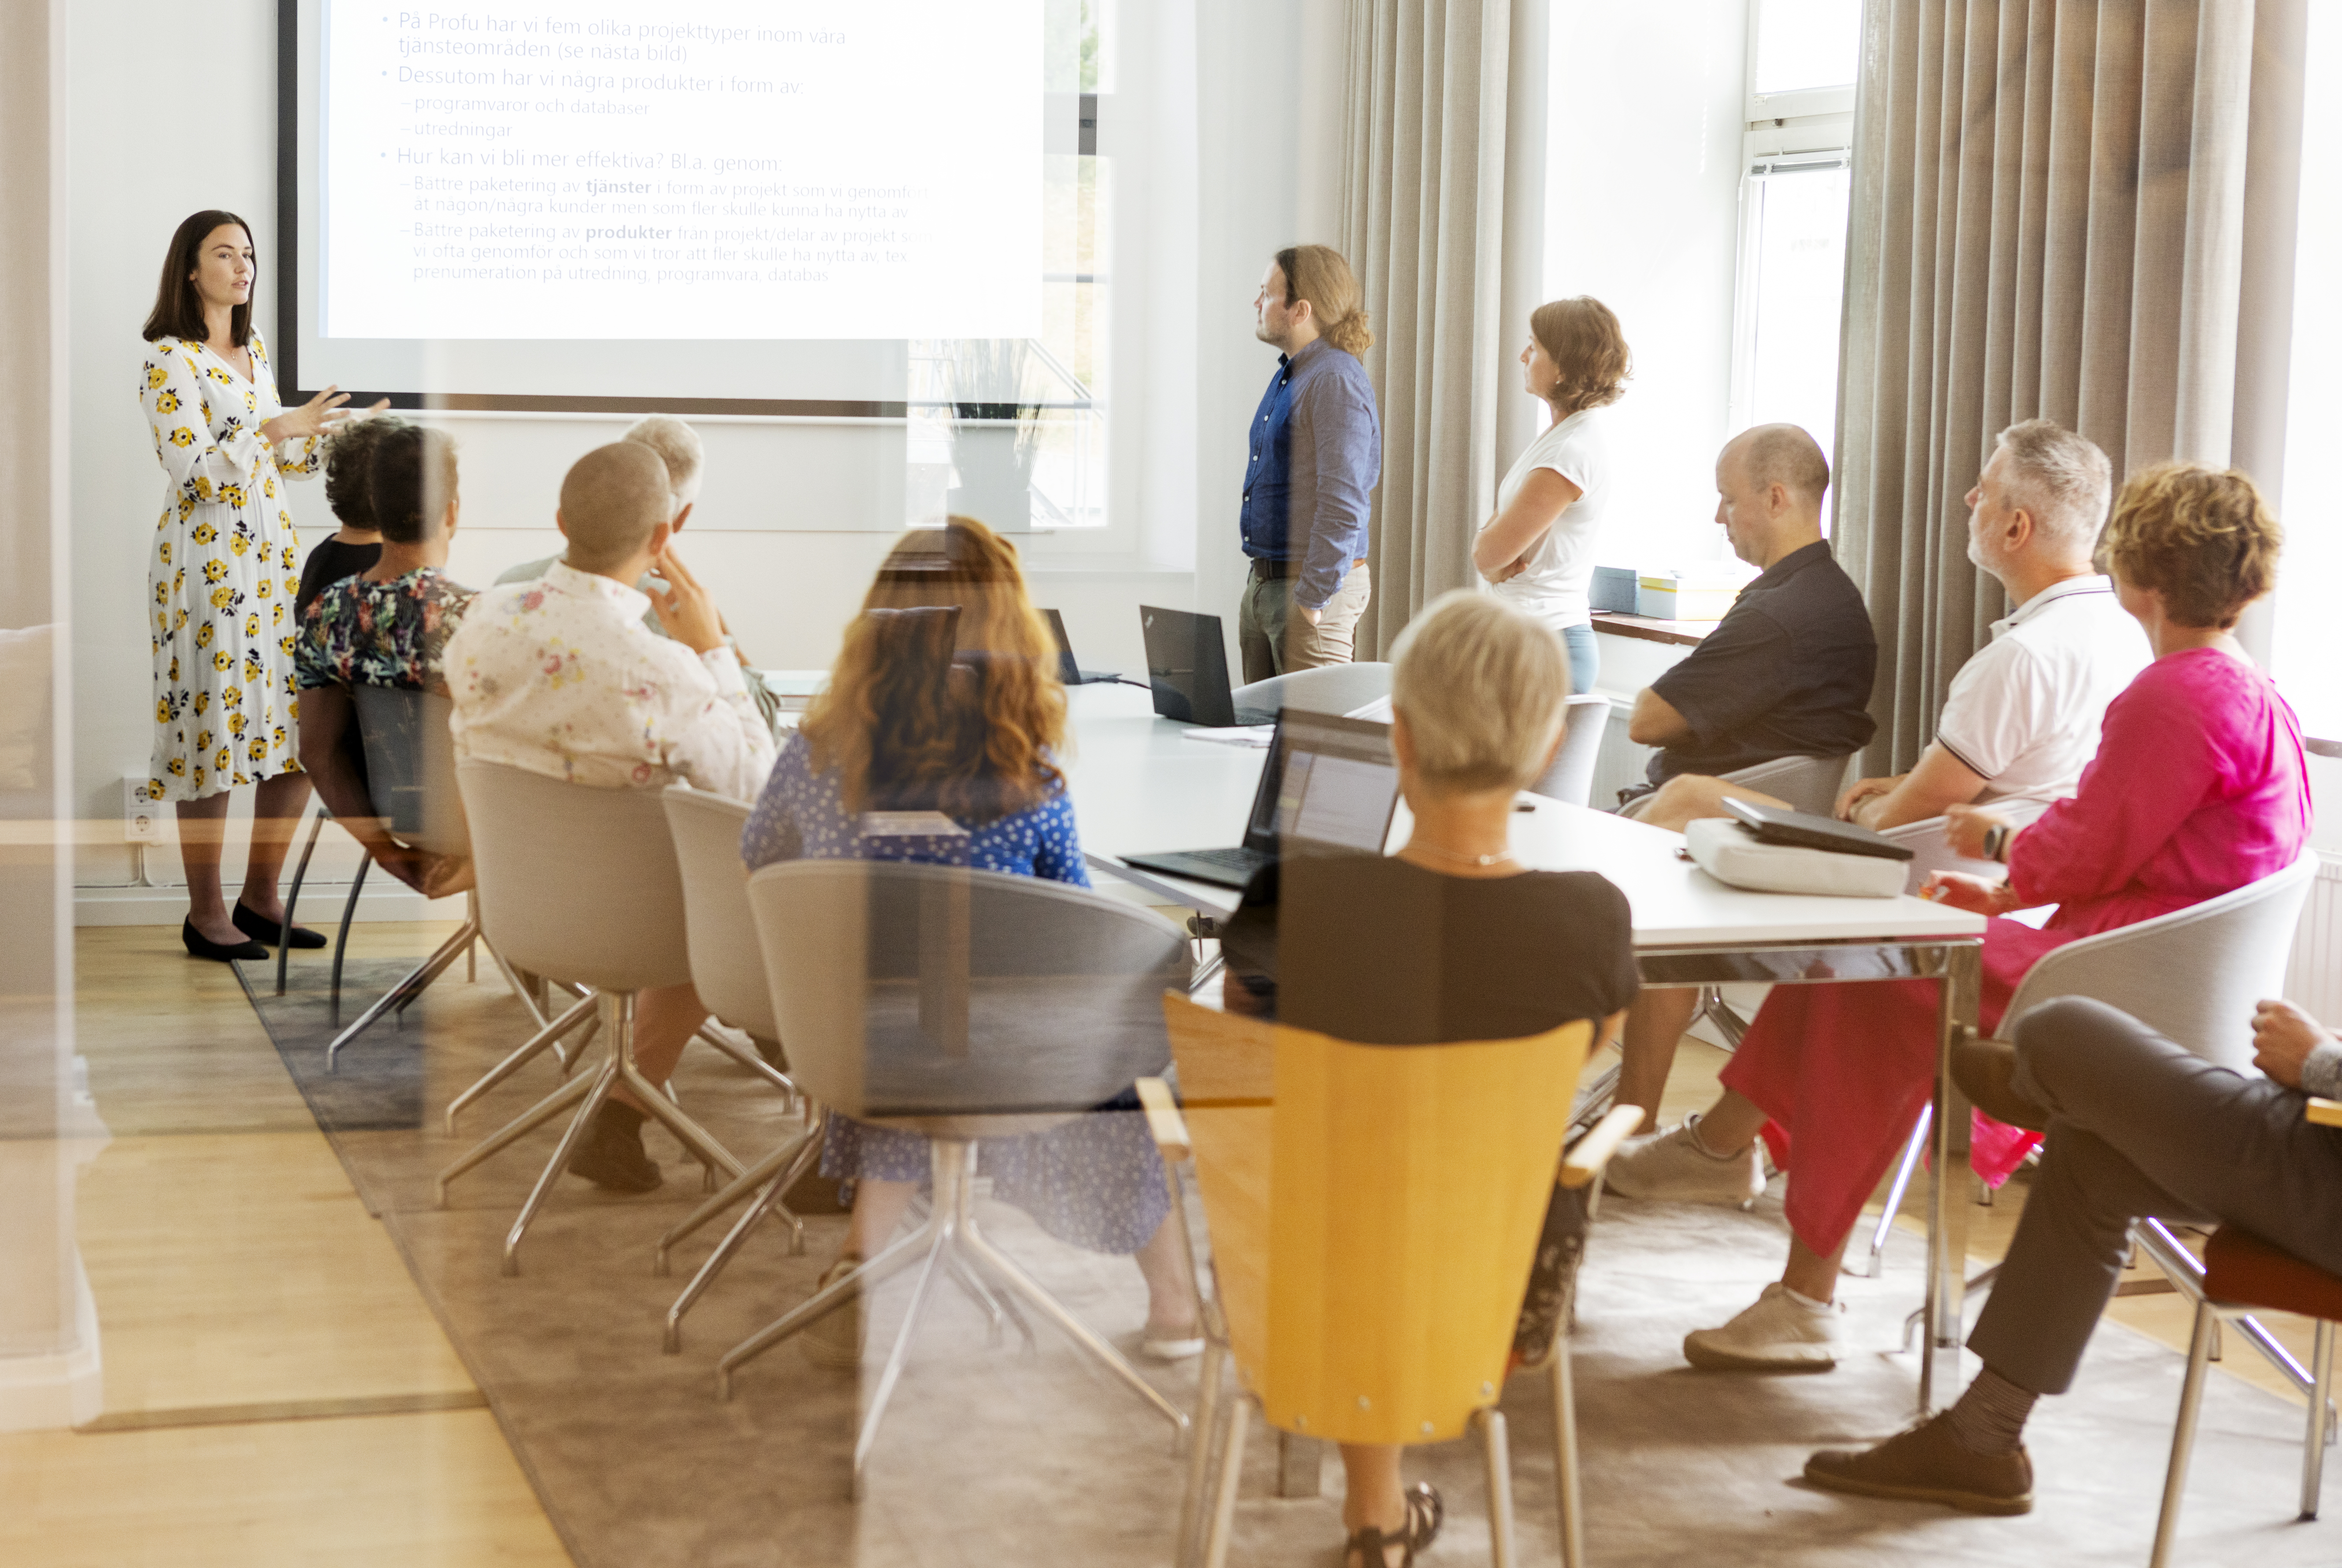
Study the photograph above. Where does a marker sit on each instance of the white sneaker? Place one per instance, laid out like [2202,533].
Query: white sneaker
[1671,1164]
[1779,1334]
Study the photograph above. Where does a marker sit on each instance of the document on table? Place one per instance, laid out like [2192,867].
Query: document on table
[1239,736]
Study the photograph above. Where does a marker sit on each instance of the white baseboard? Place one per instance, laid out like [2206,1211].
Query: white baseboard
[320,907]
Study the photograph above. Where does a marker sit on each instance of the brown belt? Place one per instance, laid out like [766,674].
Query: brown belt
[1271,570]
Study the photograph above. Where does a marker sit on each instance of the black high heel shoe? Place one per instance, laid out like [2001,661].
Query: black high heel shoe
[202,947]
[261,929]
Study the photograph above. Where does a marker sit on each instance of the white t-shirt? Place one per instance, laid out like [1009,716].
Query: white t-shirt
[2025,711]
[1553,586]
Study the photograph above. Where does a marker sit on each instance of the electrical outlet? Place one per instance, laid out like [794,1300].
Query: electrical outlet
[142,819]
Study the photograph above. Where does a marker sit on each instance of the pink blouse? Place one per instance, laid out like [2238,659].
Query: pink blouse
[2199,787]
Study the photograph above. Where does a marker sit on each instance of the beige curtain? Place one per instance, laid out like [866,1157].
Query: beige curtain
[2048,220]
[1423,226]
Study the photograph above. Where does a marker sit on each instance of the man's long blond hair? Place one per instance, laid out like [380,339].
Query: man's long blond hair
[1319,274]
[974,740]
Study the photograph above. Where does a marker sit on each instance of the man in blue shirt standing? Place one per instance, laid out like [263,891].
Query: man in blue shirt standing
[1316,454]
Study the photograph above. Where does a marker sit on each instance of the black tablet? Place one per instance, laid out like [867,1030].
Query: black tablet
[1778,825]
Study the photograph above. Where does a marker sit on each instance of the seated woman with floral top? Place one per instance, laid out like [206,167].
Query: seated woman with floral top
[387,626]
[945,699]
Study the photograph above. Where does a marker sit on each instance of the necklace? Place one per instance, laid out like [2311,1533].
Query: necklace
[1460,859]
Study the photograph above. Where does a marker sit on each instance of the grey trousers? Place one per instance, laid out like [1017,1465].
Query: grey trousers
[2143,1129]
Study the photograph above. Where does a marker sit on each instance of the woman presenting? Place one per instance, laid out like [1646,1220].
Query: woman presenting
[1538,548]
[222,578]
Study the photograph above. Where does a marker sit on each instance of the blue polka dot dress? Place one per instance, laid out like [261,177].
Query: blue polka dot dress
[1095,1182]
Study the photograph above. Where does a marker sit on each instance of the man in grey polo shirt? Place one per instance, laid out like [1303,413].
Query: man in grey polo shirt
[2019,724]
[1316,453]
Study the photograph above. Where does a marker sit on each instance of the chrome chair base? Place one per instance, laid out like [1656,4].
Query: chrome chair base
[398,998]
[950,1242]
[617,1018]
[2209,1315]
[768,1178]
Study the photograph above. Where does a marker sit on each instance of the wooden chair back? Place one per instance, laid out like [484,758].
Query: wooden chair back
[1373,1211]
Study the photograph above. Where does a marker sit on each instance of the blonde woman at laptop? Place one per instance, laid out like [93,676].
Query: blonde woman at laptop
[1538,548]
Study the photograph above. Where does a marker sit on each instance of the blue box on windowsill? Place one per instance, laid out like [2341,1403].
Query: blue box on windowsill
[1612,588]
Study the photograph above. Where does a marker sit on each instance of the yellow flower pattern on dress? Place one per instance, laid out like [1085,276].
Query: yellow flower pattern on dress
[225,540]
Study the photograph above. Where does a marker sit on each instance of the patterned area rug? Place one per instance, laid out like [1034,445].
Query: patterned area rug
[993,1455]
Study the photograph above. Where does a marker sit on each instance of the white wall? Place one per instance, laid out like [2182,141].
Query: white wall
[1264,122]
[1642,192]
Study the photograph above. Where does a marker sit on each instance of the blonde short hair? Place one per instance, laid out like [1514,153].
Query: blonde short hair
[2203,537]
[1481,686]
[679,446]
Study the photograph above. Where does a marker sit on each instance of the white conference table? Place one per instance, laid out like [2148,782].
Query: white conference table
[1140,786]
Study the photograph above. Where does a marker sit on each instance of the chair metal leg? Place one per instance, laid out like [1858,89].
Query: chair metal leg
[519,1128]
[293,899]
[770,1177]
[946,1223]
[747,1057]
[603,1082]
[1567,1492]
[1024,1284]
[734,1239]
[1224,1499]
[663,1109]
[1912,1150]
[1497,1455]
[2313,1445]
[405,990]
[342,942]
[2183,1436]
[898,1256]
[549,1037]
[2179,1265]
[998,1311]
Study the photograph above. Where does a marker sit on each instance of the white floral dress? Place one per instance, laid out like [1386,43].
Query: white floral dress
[221,581]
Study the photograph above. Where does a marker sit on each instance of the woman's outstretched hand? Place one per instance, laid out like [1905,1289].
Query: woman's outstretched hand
[315,418]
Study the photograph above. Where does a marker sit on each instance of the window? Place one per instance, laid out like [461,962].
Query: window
[1794,185]
[1792,285]
[2301,654]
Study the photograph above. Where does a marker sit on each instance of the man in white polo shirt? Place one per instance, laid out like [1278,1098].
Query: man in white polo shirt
[2019,726]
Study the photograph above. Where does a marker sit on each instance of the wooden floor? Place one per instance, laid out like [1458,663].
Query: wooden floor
[276,1390]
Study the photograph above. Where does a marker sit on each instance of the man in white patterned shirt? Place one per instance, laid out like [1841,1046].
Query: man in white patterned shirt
[561,677]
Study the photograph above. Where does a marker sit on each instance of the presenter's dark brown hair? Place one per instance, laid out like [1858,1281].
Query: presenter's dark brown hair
[2200,536]
[1588,347]
[178,308]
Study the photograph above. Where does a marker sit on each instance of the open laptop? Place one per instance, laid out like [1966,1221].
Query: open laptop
[1330,787]
[1187,668]
[1070,672]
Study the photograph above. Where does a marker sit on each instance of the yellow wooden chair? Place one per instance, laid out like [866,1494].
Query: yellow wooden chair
[1373,1211]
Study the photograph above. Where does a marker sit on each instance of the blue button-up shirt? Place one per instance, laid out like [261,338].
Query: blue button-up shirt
[1316,454]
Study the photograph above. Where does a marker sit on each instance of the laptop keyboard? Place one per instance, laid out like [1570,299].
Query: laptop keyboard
[1225,859]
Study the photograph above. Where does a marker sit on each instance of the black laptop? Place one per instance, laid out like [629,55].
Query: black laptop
[1070,672]
[1329,787]
[1187,668]
[1779,825]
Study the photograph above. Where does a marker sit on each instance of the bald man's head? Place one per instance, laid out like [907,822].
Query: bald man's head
[611,500]
[1769,482]
[1785,456]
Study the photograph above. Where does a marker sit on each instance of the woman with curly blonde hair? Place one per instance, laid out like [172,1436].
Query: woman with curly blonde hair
[944,700]
[2198,788]
[1538,546]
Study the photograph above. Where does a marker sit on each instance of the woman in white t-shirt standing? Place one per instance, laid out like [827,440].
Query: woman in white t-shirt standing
[1538,548]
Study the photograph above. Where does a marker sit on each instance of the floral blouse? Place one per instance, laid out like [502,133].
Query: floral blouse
[392,634]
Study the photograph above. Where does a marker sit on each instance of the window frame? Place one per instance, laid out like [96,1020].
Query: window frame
[1802,103]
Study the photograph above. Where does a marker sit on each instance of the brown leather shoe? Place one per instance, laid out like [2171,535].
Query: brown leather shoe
[1985,1069]
[1927,1465]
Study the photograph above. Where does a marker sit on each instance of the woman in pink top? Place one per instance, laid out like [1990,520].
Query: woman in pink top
[2198,788]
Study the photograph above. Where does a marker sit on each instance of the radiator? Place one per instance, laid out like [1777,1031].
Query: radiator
[1620,763]
[2312,981]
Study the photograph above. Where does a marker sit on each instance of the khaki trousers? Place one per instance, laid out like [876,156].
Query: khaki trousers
[1273,639]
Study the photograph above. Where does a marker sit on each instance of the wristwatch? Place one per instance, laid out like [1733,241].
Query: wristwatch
[1996,841]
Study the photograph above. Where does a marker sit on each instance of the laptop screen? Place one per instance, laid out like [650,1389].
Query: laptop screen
[1329,781]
